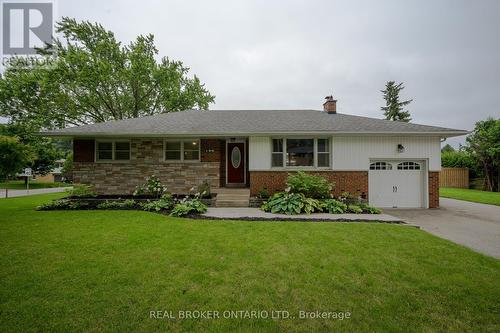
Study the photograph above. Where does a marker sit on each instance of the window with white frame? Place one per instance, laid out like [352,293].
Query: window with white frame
[409,166]
[380,166]
[182,150]
[113,150]
[300,152]
[323,153]
[277,153]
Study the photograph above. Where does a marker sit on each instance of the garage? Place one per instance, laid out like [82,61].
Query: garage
[397,184]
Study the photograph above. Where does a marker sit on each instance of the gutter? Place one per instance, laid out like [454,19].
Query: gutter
[253,134]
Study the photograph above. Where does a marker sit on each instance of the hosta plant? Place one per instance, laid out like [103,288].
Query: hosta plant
[189,206]
[333,206]
[164,203]
[291,203]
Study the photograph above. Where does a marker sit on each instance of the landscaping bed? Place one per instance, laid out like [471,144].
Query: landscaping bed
[151,196]
[307,193]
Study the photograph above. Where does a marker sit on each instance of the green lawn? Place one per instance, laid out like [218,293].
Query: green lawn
[491,198]
[19,185]
[106,270]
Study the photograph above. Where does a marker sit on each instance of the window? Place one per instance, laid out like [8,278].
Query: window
[277,154]
[299,152]
[122,151]
[323,153]
[409,166]
[113,150]
[173,150]
[380,166]
[191,150]
[182,150]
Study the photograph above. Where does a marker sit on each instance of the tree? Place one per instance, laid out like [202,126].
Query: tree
[67,168]
[45,150]
[393,109]
[448,148]
[89,77]
[13,156]
[484,145]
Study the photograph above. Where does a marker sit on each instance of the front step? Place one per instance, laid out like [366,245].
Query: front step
[232,197]
[232,203]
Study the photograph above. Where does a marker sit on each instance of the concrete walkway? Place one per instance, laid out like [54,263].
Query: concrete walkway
[257,214]
[474,225]
[22,193]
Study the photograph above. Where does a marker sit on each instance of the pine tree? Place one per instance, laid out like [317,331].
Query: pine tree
[394,108]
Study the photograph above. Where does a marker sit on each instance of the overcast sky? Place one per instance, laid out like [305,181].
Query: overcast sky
[291,54]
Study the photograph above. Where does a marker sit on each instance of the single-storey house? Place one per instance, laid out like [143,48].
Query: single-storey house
[390,163]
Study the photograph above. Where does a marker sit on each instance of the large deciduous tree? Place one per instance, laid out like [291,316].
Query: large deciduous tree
[394,109]
[13,156]
[484,145]
[91,77]
[45,151]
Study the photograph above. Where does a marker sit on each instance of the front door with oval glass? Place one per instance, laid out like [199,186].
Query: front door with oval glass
[235,161]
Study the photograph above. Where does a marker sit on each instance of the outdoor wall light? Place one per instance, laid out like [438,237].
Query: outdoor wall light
[401,148]
[209,150]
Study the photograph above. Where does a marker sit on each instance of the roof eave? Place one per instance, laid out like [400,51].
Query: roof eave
[444,134]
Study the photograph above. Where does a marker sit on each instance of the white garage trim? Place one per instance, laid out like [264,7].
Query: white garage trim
[385,171]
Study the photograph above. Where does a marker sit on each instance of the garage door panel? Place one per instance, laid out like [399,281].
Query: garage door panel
[399,185]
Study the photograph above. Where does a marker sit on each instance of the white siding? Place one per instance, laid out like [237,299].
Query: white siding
[259,153]
[354,153]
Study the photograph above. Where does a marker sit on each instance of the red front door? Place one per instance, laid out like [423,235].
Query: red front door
[235,161]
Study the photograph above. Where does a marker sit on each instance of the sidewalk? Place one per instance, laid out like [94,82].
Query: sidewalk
[229,213]
[22,193]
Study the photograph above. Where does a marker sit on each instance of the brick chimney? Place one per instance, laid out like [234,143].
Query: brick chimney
[330,106]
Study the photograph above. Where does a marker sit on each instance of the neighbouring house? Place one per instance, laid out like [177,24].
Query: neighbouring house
[55,175]
[391,164]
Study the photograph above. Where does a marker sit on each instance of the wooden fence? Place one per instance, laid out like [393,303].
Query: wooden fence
[454,177]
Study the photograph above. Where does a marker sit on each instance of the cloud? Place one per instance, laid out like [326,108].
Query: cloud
[290,54]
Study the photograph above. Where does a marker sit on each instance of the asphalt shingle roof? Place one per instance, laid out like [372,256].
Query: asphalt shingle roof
[250,122]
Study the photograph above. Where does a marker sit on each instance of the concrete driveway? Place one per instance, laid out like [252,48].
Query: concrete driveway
[474,225]
[22,193]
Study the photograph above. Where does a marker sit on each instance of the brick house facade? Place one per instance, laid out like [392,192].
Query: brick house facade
[391,164]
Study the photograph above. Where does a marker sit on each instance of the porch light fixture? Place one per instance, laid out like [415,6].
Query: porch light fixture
[401,148]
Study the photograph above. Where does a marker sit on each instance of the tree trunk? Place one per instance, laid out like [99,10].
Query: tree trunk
[487,178]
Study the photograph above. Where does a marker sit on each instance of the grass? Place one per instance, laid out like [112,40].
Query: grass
[106,270]
[491,198]
[19,185]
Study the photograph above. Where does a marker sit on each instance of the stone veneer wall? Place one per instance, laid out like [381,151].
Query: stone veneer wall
[354,182]
[433,189]
[146,160]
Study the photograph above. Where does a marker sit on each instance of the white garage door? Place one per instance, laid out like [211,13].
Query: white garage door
[396,184]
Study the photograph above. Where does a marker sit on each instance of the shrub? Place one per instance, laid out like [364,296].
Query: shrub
[291,203]
[62,204]
[369,209]
[204,189]
[164,203]
[127,204]
[189,206]
[349,198]
[152,187]
[82,191]
[309,185]
[334,206]
[263,194]
[355,209]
